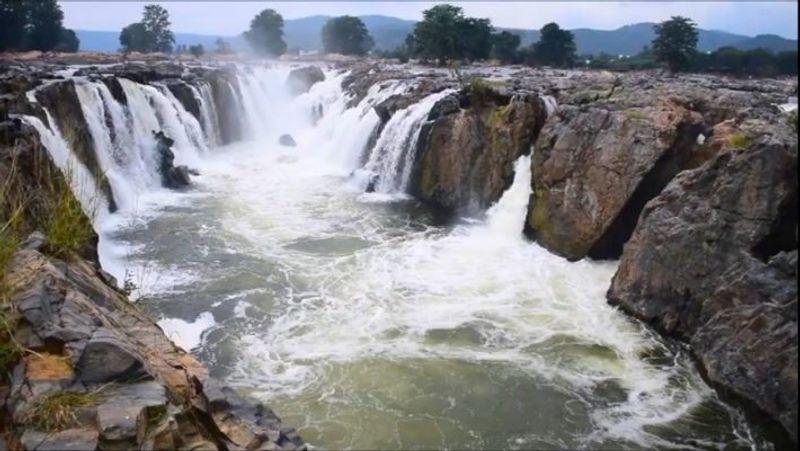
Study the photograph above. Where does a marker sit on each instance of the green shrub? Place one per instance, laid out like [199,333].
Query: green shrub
[791,118]
[68,229]
[738,140]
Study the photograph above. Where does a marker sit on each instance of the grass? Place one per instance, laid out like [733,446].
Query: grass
[791,118]
[67,229]
[634,115]
[738,140]
[57,411]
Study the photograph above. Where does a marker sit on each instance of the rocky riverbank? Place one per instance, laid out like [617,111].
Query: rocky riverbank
[690,181]
[82,367]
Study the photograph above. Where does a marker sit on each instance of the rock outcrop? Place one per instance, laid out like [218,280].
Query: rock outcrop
[118,381]
[466,152]
[300,80]
[595,168]
[286,140]
[171,176]
[713,261]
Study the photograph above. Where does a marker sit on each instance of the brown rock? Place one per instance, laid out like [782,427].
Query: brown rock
[713,261]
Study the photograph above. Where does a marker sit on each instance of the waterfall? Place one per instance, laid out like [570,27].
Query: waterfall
[505,218]
[80,180]
[393,156]
[205,98]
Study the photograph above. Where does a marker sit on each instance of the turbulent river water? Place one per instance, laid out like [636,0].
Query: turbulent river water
[359,317]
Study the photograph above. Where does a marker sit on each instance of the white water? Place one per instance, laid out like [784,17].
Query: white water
[365,325]
[393,156]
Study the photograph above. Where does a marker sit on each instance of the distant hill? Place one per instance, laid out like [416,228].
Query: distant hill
[389,32]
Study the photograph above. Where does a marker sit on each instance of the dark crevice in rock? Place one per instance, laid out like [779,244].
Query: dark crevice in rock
[783,231]
[676,159]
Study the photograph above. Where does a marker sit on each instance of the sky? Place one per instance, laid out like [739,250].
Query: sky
[231,18]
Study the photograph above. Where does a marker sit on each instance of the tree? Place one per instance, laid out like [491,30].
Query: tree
[13,22]
[474,38]
[346,35]
[68,42]
[135,38]
[437,35]
[676,42]
[197,50]
[266,33]
[222,47]
[156,24]
[556,47]
[44,25]
[504,46]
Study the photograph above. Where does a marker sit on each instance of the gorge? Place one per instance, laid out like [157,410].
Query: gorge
[438,261]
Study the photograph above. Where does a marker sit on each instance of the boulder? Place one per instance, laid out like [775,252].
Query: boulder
[466,152]
[171,176]
[300,80]
[594,169]
[287,141]
[106,358]
[79,439]
[713,261]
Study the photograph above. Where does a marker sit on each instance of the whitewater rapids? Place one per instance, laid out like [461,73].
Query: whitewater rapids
[361,319]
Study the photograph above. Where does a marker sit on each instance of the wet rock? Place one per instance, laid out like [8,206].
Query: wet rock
[287,141]
[127,411]
[61,100]
[105,358]
[171,176]
[713,261]
[183,92]
[466,154]
[300,80]
[68,440]
[595,169]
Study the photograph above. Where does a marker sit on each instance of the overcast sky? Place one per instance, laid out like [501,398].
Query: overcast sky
[230,18]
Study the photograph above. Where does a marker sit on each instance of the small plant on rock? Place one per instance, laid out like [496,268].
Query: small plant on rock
[68,229]
[57,411]
[738,140]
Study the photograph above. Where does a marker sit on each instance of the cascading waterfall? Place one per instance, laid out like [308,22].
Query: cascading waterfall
[393,156]
[205,99]
[360,322]
[80,180]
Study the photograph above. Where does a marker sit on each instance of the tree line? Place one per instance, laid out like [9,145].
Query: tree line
[443,36]
[34,25]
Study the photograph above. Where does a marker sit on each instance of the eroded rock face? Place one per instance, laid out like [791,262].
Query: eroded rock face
[594,169]
[183,92]
[300,80]
[466,153]
[223,88]
[713,261]
[145,392]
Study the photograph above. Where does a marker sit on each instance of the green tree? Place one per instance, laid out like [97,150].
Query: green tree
[197,50]
[556,47]
[135,38]
[44,25]
[474,38]
[437,37]
[222,47]
[675,43]
[504,46]
[156,23]
[786,62]
[346,35]
[68,42]
[266,33]
[13,21]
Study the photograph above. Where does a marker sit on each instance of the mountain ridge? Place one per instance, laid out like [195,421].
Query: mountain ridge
[389,32]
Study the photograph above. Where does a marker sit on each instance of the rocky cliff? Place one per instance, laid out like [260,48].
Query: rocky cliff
[82,367]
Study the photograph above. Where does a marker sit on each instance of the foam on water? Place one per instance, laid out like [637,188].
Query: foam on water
[349,312]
